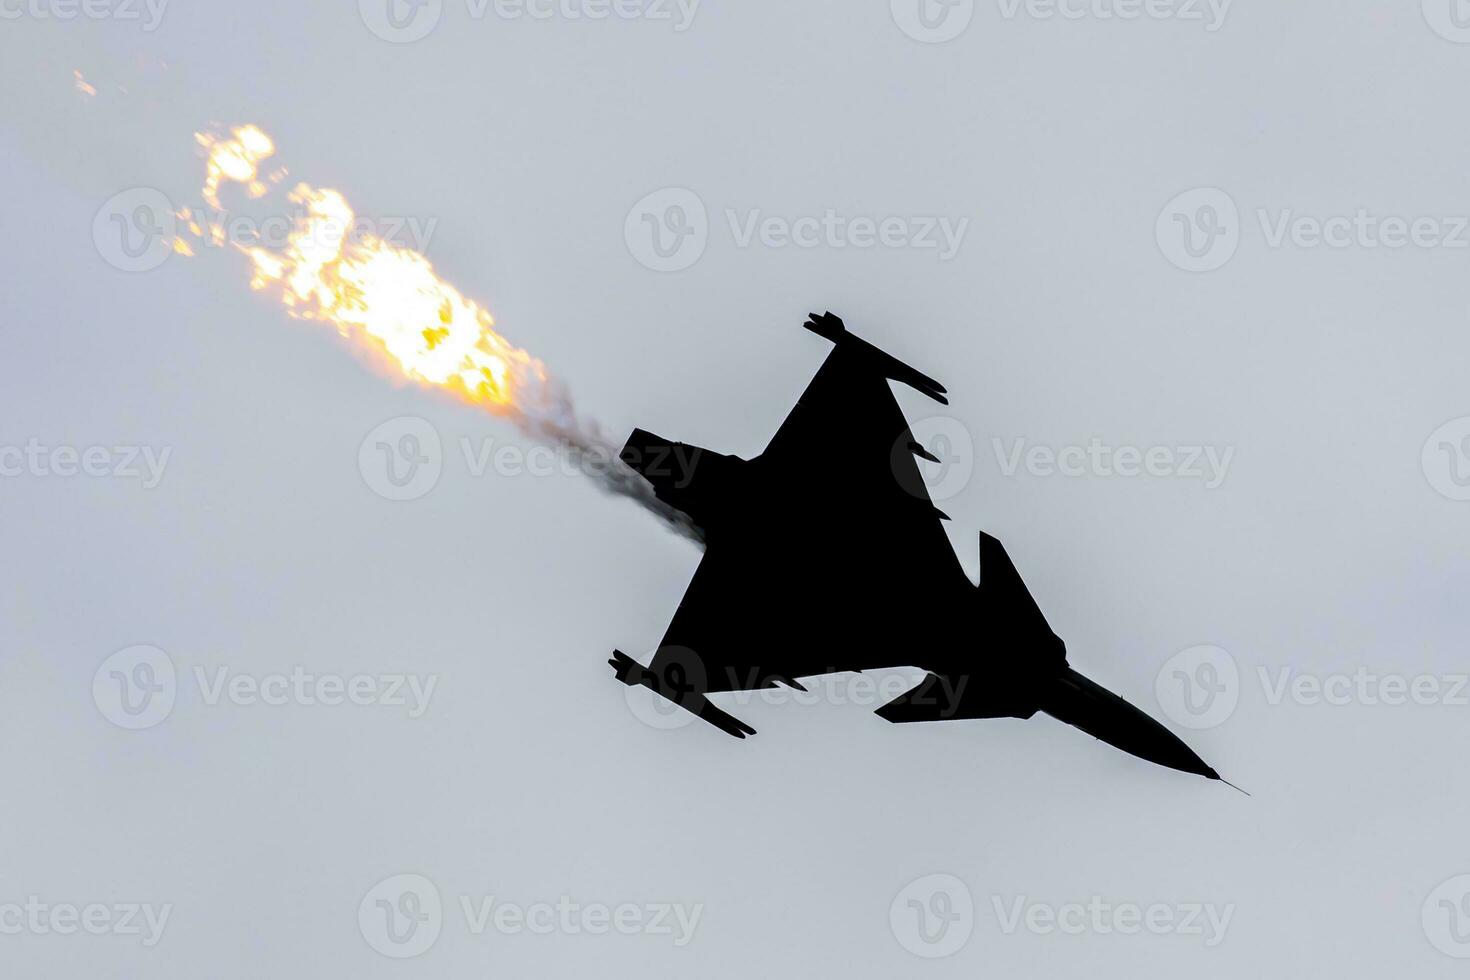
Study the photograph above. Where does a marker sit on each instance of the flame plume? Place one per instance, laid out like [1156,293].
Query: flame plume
[389,299]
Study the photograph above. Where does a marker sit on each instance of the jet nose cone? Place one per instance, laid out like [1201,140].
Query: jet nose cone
[1100,713]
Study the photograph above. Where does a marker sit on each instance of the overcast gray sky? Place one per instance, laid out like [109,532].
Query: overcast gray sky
[1194,275]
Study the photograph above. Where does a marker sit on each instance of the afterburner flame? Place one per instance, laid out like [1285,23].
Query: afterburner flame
[371,290]
[235,158]
[389,299]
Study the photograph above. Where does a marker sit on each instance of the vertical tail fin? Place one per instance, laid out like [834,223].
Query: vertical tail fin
[1010,619]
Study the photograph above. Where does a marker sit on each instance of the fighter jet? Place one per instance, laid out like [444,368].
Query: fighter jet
[825,554]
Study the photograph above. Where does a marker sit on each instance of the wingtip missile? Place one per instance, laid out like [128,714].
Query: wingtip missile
[832,328]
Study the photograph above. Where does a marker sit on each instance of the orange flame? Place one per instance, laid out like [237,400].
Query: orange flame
[389,299]
[236,158]
[371,290]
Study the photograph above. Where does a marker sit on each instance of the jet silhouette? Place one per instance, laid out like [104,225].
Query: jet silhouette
[825,554]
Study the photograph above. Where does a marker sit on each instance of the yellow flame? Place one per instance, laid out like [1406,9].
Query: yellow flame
[236,159]
[371,290]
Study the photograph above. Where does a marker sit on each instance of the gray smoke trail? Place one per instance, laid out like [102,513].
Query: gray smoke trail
[550,417]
